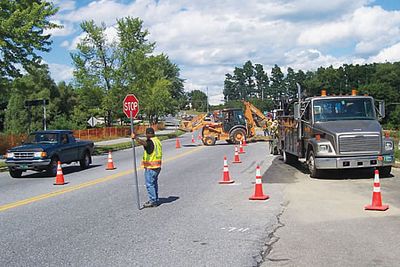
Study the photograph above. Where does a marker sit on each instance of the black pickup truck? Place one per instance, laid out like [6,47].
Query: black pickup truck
[43,149]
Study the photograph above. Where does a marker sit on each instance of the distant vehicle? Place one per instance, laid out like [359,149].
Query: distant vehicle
[335,132]
[43,149]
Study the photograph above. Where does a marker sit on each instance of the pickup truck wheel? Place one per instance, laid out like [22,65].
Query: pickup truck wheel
[385,171]
[52,168]
[85,161]
[15,173]
[314,172]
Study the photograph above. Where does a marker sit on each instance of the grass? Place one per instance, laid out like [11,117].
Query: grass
[98,150]
[2,164]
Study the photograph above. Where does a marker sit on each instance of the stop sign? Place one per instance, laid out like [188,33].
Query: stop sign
[131,103]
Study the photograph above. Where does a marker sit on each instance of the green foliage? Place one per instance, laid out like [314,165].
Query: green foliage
[22,25]
[105,72]
[198,99]
[16,117]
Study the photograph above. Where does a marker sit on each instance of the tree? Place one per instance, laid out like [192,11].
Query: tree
[94,63]
[277,83]
[248,72]
[22,25]
[262,80]
[198,99]
[16,117]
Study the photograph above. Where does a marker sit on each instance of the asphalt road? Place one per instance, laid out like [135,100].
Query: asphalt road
[323,222]
[94,220]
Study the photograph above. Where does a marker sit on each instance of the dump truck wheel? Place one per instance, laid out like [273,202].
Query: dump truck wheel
[385,171]
[314,172]
[209,141]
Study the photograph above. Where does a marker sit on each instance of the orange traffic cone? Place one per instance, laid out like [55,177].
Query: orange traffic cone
[193,141]
[241,150]
[60,175]
[258,192]
[244,142]
[376,196]
[110,163]
[226,179]
[178,144]
[236,159]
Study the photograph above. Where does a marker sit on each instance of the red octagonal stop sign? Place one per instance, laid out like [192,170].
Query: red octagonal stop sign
[131,103]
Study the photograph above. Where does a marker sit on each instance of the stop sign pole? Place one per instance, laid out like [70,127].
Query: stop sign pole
[131,109]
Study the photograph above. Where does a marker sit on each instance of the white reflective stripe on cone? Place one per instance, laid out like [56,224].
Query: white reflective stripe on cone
[377,189]
[258,181]
[225,169]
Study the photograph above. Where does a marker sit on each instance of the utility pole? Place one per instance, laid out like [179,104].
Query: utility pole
[208,110]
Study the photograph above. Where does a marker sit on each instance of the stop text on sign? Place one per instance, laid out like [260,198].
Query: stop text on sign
[131,106]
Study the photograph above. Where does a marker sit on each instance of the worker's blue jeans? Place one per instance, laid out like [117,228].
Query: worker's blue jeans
[151,177]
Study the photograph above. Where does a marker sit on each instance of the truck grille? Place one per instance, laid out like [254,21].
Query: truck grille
[23,155]
[359,144]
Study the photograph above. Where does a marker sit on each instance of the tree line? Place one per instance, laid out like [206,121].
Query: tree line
[251,82]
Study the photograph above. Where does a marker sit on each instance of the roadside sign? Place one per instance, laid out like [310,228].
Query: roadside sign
[131,106]
[92,121]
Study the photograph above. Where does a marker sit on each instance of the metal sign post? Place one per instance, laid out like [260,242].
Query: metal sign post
[134,165]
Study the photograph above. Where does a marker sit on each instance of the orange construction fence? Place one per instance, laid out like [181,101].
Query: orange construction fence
[94,134]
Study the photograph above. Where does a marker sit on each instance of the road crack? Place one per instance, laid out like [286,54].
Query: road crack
[273,238]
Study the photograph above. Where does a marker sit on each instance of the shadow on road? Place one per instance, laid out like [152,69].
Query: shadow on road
[66,170]
[286,172]
[163,200]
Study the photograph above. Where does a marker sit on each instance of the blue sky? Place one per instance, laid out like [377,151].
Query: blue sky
[208,38]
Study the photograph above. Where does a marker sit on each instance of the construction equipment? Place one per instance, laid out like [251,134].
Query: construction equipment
[231,124]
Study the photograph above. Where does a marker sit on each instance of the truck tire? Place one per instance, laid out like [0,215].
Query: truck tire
[237,135]
[314,172]
[52,168]
[288,158]
[385,171]
[15,173]
[85,161]
[209,141]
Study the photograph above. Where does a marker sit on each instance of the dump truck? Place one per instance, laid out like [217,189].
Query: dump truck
[334,132]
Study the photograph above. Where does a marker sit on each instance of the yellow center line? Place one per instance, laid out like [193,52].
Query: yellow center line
[83,185]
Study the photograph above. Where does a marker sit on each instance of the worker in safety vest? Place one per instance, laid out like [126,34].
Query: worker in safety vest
[151,163]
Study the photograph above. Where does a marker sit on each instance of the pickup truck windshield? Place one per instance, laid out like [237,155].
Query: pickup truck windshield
[343,109]
[42,138]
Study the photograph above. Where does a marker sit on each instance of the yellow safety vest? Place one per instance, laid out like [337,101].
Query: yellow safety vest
[153,160]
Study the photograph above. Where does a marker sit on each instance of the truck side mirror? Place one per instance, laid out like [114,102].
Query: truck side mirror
[381,108]
[297,113]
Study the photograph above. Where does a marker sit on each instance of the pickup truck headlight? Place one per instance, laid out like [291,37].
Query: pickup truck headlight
[40,154]
[9,155]
[323,148]
[388,145]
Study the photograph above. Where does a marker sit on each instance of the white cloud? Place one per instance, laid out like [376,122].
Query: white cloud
[60,72]
[65,43]
[65,30]
[390,54]
[64,5]
[209,38]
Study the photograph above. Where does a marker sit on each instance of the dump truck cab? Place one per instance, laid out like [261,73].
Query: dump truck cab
[336,132]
